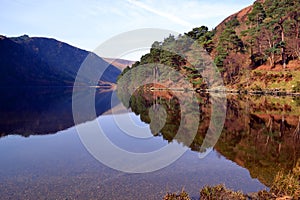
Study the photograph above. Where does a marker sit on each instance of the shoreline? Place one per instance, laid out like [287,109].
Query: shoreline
[269,92]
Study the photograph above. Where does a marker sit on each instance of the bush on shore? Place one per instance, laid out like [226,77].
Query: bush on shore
[285,187]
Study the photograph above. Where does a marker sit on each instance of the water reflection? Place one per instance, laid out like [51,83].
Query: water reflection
[36,111]
[59,167]
[261,133]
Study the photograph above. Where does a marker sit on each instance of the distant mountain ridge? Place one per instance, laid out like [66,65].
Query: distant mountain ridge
[37,61]
[119,63]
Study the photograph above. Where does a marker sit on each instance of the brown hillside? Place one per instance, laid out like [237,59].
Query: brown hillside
[119,63]
[242,17]
[260,37]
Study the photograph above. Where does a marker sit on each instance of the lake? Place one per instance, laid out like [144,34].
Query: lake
[44,155]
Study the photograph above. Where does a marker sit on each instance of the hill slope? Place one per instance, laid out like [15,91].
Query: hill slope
[257,48]
[119,63]
[26,61]
[264,36]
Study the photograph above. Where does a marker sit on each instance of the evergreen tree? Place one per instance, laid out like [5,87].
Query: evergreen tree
[228,42]
[198,32]
[253,33]
[206,41]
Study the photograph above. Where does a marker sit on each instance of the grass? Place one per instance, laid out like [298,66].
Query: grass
[288,184]
[285,186]
[296,87]
[220,192]
[173,196]
[283,80]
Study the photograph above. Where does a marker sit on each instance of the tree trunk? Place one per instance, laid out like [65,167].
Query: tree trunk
[297,40]
[272,60]
[283,56]
[271,57]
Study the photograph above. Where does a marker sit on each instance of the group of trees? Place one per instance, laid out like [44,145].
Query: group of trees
[173,52]
[268,34]
[203,36]
[273,32]
[229,50]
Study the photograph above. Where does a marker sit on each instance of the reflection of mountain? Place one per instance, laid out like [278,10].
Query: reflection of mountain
[43,61]
[259,132]
[34,111]
[29,62]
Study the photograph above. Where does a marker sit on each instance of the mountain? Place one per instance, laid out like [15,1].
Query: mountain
[255,49]
[36,61]
[119,63]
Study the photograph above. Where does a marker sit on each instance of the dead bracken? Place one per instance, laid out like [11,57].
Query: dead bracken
[284,187]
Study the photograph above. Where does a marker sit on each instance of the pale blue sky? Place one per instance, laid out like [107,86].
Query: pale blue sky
[86,24]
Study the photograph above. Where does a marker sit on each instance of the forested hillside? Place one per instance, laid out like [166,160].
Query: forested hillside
[266,33]
[254,49]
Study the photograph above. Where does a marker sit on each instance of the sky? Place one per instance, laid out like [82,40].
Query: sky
[88,23]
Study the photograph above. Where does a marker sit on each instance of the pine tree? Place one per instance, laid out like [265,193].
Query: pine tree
[198,32]
[228,42]
[253,33]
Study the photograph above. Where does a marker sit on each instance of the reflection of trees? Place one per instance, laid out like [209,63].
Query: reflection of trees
[296,133]
[270,124]
[269,146]
[155,107]
[142,103]
[263,142]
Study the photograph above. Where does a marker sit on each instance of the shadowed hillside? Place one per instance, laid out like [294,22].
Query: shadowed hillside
[26,61]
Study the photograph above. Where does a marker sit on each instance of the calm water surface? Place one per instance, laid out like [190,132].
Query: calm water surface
[52,163]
